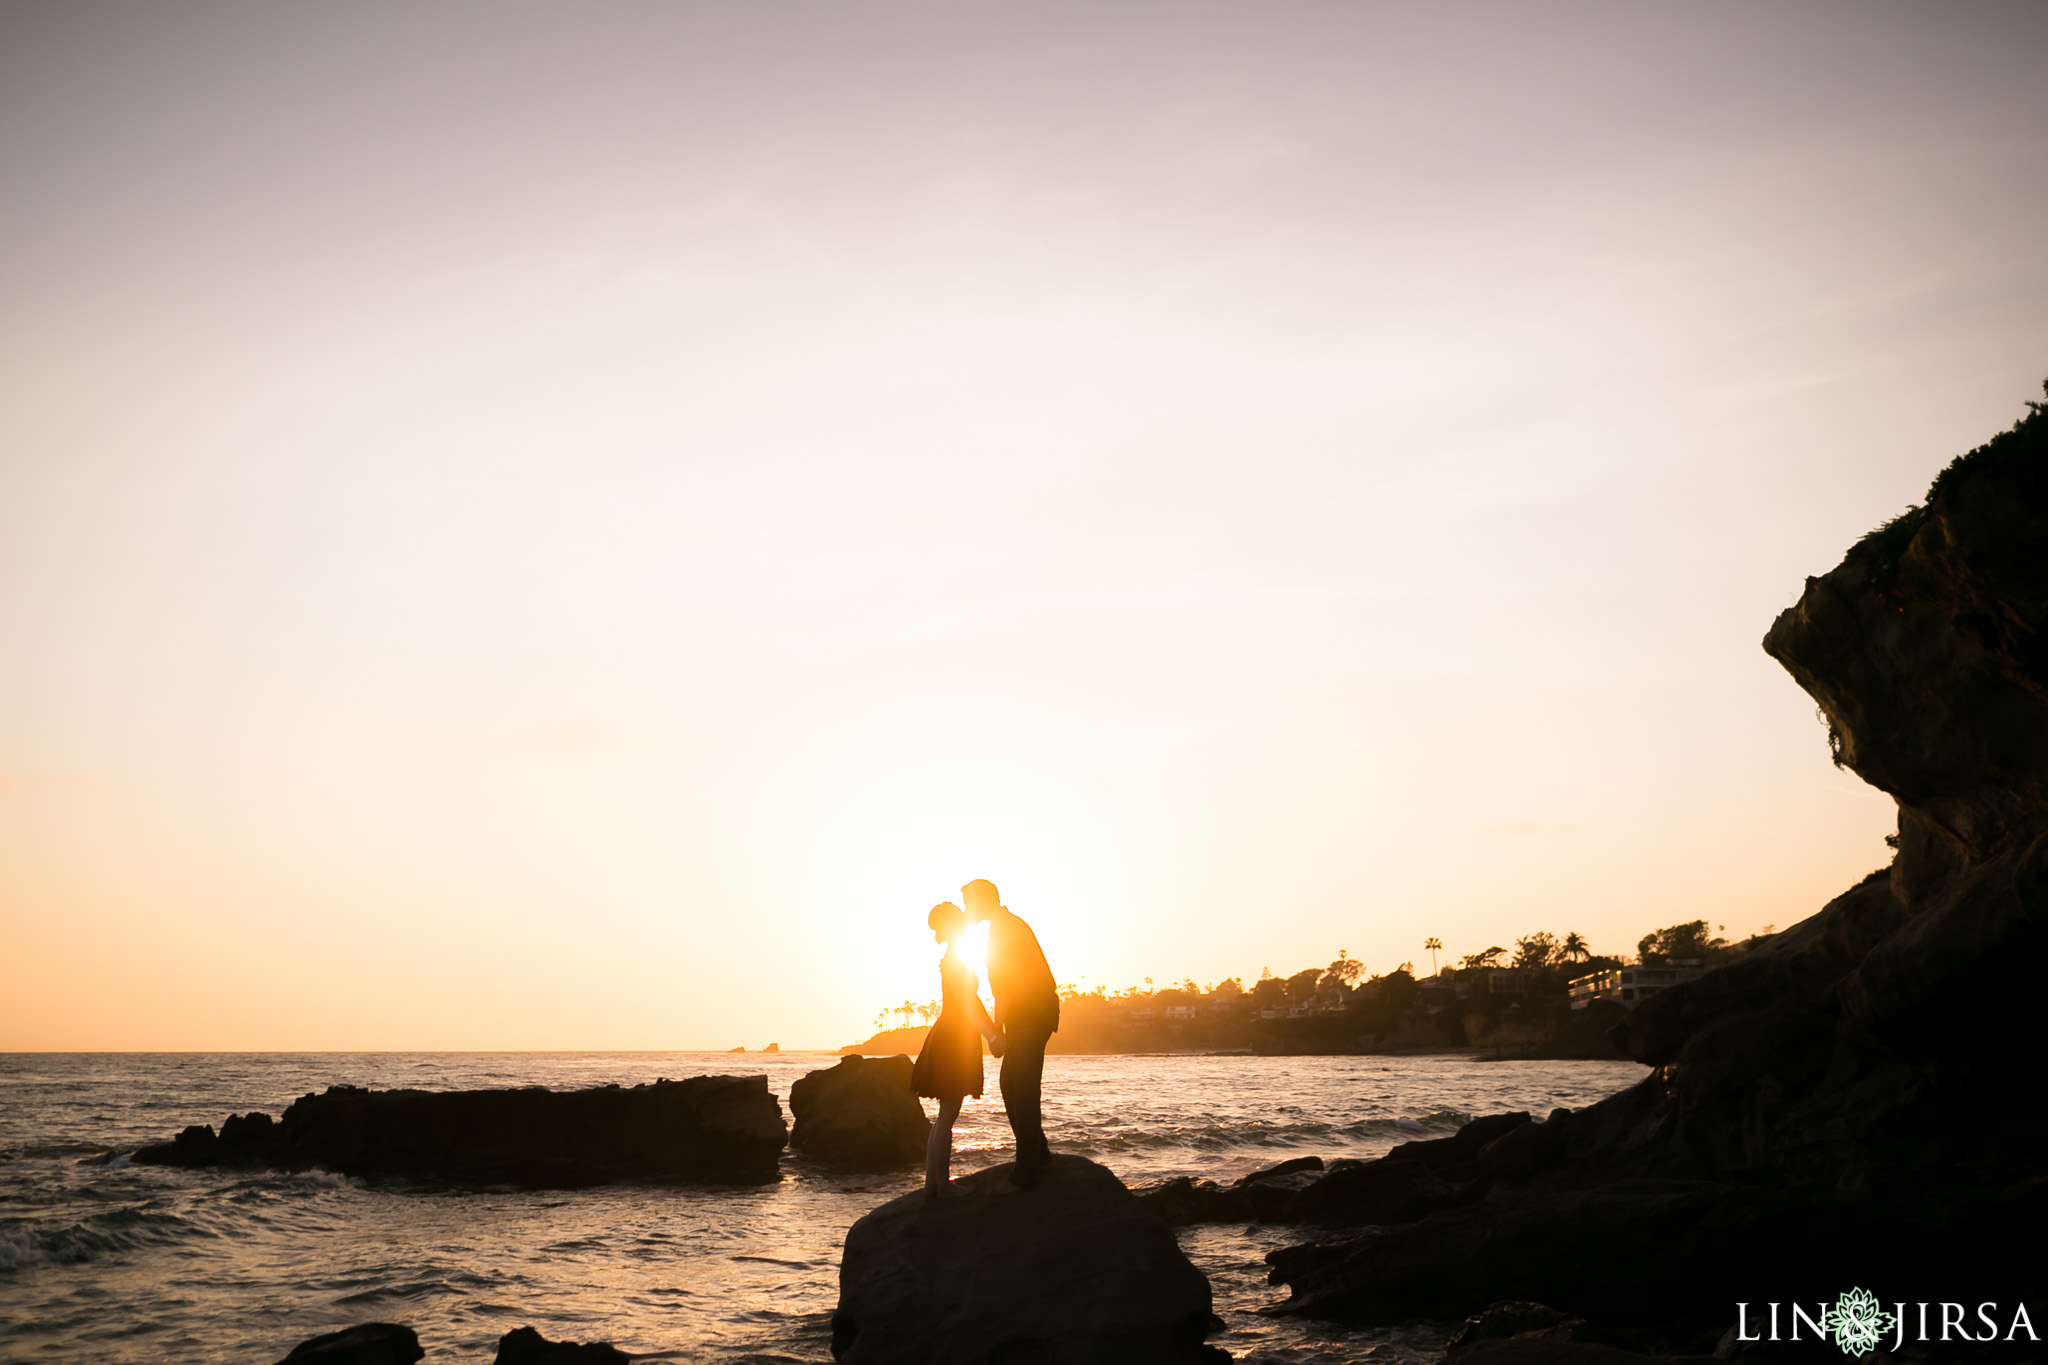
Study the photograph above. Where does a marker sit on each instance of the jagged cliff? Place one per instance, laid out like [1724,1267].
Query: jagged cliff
[1858,1101]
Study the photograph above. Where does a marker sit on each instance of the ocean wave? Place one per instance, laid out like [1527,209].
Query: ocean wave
[269,1185]
[24,1243]
[41,1151]
[1259,1133]
[428,1288]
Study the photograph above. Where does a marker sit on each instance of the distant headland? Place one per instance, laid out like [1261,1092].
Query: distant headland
[1548,996]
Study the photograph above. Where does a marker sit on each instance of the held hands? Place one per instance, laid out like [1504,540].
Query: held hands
[996,1045]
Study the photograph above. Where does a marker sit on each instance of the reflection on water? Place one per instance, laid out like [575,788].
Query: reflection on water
[119,1264]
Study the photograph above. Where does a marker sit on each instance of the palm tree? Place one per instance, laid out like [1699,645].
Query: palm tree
[1574,947]
[1432,946]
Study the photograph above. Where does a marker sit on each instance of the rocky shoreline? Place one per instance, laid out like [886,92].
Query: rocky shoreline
[1850,1104]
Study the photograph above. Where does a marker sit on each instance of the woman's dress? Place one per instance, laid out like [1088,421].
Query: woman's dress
[949,1064]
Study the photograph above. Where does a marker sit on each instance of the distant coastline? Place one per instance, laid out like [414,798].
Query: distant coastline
[907,1041]
[1549,999]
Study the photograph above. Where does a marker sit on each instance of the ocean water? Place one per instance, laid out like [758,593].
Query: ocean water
[114,1263]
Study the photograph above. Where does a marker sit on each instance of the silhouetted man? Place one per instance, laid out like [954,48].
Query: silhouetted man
[1028,1013]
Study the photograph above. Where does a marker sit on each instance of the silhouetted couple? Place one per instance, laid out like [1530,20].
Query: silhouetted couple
[1027,1015]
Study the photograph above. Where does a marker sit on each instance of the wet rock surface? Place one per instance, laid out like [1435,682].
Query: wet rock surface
[1372,1193]
[1073,1270]
[370,1343]
[1262,1196]
[1411,1181]
[707,1128]
[1848,1103]
[860,1112]
[1521,1333]
[526,1346]
[387,1343]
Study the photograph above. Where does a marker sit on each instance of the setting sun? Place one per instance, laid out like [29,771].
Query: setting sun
[974,948]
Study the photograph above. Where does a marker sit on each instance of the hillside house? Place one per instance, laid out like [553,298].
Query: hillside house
[1630,986]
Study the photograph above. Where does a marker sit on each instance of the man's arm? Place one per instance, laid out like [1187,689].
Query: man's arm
[985,1025]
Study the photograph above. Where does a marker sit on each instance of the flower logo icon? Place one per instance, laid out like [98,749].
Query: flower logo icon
[1858,1322]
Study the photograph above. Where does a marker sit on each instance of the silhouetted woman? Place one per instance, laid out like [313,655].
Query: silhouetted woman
[949,1065]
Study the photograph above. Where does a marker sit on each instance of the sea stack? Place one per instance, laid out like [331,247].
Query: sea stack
[860,1112]
[1073,1270]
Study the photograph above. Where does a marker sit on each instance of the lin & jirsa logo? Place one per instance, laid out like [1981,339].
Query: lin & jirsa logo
[1858,1322]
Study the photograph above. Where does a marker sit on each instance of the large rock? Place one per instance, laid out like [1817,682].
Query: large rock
[707,1128]
[1263,1196]
[1533,1334]
[1344,1194]
[526,1346]
[1372,1192]
[860,1112]
[1073,1270]
[1850,1103]
[370,1343]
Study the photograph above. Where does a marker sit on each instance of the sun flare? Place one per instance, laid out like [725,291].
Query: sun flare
[973,948]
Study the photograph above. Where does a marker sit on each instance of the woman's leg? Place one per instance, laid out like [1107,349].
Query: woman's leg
[938,1150]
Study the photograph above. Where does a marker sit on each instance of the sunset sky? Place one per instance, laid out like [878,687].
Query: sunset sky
[548,526]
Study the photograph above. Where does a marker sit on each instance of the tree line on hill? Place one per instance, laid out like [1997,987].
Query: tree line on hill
[1489,996]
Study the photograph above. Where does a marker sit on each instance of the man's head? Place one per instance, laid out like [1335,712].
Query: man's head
[979,896]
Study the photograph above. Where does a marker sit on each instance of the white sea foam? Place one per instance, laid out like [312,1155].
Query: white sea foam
[1360,1135]
[92,1237]
[18,1248]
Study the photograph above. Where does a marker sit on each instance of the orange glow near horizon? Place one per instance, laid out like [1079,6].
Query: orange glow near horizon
[525,532]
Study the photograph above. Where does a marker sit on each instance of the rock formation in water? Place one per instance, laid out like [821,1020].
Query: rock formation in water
[525,1346]
[1261,1197]
[369,1343]
[1855,1102]
[707,1128]
[387,1343]
[860,1112]
[1073,1270]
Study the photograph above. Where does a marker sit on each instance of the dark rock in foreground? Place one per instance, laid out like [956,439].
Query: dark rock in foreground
[1184,1201]
[1543,1348]
[371,1343]
[1262,1196]
[1343,1194]
[1852,1102]
[1533,1334]
[1508,1320]
[1373,1192]
[387,1343]
[707,1128]
[1073,1270]
[860,1112]
[525,1346]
